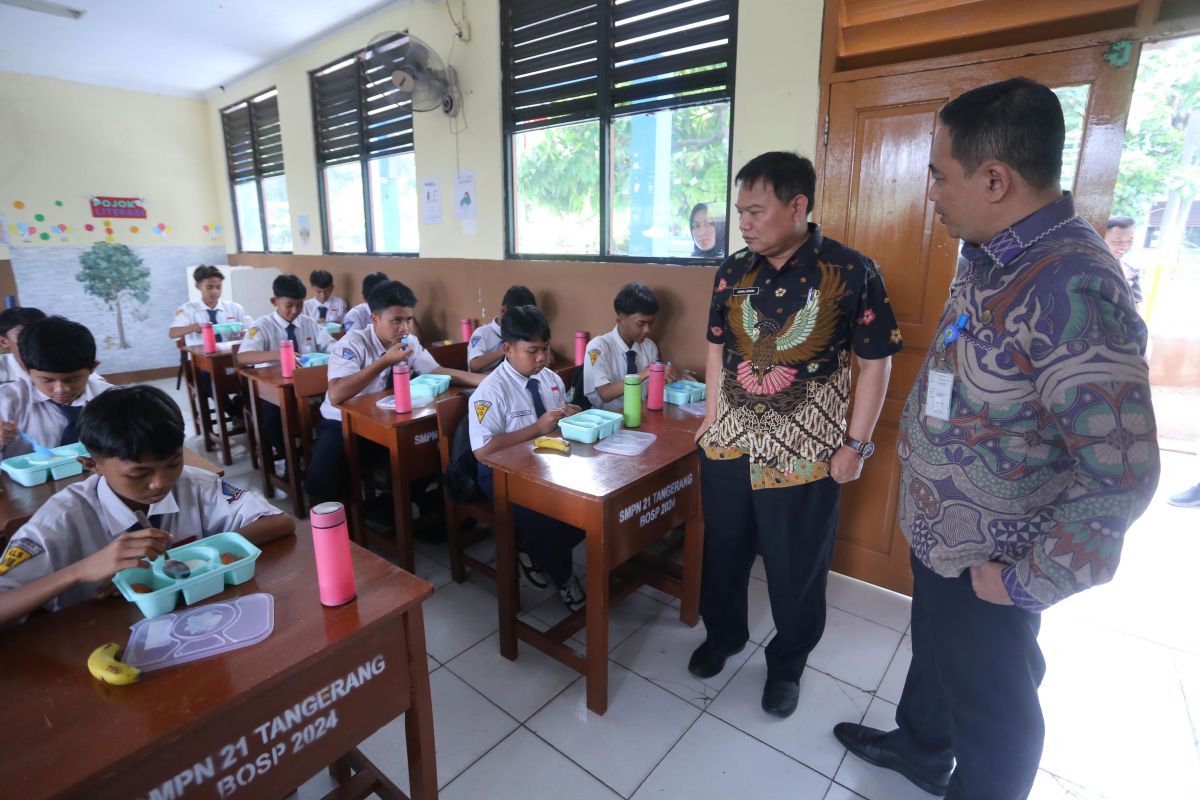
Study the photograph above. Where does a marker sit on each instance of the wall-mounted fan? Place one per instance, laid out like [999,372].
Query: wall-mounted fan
[416,70]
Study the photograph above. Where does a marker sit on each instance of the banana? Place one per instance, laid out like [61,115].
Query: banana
[553,443]
[104,666]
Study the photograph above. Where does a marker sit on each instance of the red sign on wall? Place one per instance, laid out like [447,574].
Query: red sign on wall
[129,207]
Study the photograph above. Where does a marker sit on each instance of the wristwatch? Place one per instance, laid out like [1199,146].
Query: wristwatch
[864,449]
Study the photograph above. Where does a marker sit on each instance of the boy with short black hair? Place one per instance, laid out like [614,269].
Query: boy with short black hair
[359,317]
[89,531]
[486,348]
[625,350]
[60,359]
[324,306]
[518,401]
[361,363]
[191,316]
[12,322]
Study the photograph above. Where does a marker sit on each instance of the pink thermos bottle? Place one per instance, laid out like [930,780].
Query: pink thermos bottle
[658,385]
[210,337]
[331,546]
[466,328]
[581,339]
[400,389]
[287,358]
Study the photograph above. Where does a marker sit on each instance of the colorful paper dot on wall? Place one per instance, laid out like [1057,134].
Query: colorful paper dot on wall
[167,229]
[89,227]
[32,229]
[108,238]
[58,203]
[206,229]
[40,217]
[161,227]
[133,228]
[18,204]
[108,231]
[217,229]
[44,237]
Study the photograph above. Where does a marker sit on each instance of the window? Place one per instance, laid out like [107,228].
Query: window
[365,160]
[254,157]
[617,116]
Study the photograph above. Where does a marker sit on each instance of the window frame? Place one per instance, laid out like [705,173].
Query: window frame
[258,176]
[604,115]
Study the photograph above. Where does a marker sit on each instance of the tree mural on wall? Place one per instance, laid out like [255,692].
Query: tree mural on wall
[113,272]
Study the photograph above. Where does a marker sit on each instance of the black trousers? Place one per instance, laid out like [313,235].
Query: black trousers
[795,527]
[272,420]
[326,476]
[971,692]
[548,541]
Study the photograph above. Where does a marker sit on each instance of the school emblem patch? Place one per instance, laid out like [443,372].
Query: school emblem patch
[481,409]
[231,492]
[18,552]
[251,333]
[722,285]
[593,355]
[475,340]
[347,354]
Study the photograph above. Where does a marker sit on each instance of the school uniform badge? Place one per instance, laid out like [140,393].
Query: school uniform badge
[481,409]
[593,355]
[231,492]
[347,354]
[19,551]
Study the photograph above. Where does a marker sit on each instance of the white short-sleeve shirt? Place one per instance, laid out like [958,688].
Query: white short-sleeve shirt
[84,517]
[37,415]
[194,312]
[357,318]
[10,369]
[604,362]
[502,403]
[483,341]
[360,348]
[267,332]
[335,309]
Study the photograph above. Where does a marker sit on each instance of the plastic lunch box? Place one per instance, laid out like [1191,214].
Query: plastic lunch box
[333,327]
[312,359]
[439,383]
[683,392]
[590,426]
[32,469]
[227,328]
[206,580]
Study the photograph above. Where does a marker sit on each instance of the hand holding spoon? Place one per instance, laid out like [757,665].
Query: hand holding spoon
[176,570]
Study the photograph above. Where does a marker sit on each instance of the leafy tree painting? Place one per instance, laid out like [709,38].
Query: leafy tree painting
[113,273]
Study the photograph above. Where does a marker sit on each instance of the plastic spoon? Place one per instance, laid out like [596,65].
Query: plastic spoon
[37,448]
[175,570]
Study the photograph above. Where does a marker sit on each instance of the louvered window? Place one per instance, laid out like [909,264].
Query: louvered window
[254,156]
[617,116]
[365,160]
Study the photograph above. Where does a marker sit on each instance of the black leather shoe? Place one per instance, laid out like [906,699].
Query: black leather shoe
[878,747]
[706,662]
[780,696]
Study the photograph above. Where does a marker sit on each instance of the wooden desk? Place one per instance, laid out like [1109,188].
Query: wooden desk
[411,440]
[18,503]
[623,504]
[222,367]
[216,728]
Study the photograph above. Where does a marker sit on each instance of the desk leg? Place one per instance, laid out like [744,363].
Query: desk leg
[418,722]
[402,521]
[597,618]
[354,497]
[291,456]
[506,565]
[222,430]
[693,559]
[266,467]
[205,414]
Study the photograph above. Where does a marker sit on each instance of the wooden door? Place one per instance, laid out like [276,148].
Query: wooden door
[873,197]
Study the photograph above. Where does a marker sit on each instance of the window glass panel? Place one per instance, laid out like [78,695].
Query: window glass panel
[279,217]
[664,165]
[344,208]
[1074,101]
[556,191]
[394,203]
[249,222]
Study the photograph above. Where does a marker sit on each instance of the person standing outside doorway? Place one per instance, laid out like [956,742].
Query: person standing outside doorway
[1027,447]
[786,314]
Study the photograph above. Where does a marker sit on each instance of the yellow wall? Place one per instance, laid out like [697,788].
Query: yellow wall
[65,141]
[775,107]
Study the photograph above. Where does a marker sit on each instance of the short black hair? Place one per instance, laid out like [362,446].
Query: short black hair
[288,286]
[389,294]
[524,324]
[19,315]
[788,173]
[320,279]
[1113,222]
[518,295]
[371,281]
[204,272]
[132,423]
[1018,122]
[56,344]
[635,298]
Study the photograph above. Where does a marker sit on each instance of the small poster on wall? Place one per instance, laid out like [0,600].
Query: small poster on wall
[464,195]
[124,207]
[431,201]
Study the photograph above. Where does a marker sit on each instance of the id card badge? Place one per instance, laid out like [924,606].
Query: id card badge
[937,394]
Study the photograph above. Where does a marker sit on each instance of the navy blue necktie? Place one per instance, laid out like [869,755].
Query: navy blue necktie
[631,363]
[291,334]
[70,434]
[212,317]
[322,312]
[535,394]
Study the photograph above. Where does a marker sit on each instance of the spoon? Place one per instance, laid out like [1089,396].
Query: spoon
[176,570]
[45,452]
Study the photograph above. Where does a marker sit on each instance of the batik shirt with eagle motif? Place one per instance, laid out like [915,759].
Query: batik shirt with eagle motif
[788,335]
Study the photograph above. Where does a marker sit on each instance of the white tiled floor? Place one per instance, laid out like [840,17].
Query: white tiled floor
[1121,696]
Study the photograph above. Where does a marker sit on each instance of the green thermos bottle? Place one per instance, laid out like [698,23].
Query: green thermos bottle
[633,401]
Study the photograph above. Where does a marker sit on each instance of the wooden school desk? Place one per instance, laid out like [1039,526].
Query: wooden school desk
[18,503]
[222,368]
[225,726]
[623,504]
[411,442]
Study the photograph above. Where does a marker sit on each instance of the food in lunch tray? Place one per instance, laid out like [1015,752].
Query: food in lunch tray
[140,588]
[553,443]
[229,558]
[104,666]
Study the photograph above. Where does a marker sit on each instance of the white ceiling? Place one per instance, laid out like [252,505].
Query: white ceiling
[181,47]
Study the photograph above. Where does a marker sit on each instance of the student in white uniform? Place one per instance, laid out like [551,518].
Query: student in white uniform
[60,357]
[518,401]
[486,348]
[625,350]
[87,532]
[359,317]
[324,306]
[12,322]
[190,317]
[361,363]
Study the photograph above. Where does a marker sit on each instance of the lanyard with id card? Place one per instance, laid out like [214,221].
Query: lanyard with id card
[940,386]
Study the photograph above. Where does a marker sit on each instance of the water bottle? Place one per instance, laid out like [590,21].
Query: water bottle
[287,358]
[658,386]
[10,301]
[466,328]
[400,389]
[633,401]
[581,340]
[331,546]
[210,337]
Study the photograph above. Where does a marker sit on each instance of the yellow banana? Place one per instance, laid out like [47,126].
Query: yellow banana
[103,665]
[553,443]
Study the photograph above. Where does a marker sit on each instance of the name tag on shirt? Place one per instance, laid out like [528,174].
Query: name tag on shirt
[749,291]
[937,394]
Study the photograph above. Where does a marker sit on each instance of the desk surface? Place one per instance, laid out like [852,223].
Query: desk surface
[363,407]
[73,728]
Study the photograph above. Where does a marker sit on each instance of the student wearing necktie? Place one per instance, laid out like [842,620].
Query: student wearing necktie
[191,316]
[324,306]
